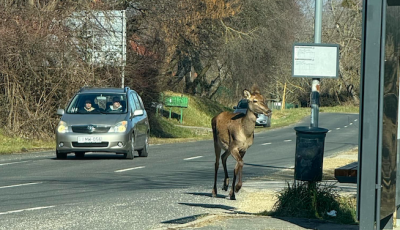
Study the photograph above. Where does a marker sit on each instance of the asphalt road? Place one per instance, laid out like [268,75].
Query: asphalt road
[172,185]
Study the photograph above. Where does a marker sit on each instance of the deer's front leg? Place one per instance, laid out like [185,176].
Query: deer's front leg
[240,172]
[224,157]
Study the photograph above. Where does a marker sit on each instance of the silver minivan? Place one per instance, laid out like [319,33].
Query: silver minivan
[103,120]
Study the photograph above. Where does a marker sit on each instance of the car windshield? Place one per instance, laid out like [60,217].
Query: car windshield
[95,103]
[243,104]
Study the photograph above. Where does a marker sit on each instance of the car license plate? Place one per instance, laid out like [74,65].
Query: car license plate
[89,139]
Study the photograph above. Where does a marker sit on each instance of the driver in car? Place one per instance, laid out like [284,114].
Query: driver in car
[116,105]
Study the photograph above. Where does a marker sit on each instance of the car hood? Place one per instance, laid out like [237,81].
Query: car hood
[97,119]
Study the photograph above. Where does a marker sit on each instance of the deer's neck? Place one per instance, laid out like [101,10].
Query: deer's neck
[249,123]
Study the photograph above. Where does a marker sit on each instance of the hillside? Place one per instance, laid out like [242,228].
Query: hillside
[199,113]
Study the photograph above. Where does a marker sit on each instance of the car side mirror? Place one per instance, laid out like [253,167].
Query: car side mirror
[137,112]
[234,107]
[60,112]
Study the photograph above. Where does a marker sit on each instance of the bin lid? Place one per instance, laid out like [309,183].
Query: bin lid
[307,129]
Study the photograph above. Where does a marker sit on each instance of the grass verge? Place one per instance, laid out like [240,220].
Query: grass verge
[314,200]
[10,145]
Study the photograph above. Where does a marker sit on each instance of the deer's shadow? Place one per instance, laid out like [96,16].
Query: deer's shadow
[183,220]
[227,208]
[207,194]
[210,206]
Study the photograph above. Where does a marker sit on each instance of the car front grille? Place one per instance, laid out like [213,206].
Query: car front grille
[85,145]
[90,129]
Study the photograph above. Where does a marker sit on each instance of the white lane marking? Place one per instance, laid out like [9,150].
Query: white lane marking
[267,143]
[27,209]
[11,163]
[191,158]
[19,185]
[329,131]
[355,120]
[287,140]
[128,169]
[351,124]
[345,126]
[337,128]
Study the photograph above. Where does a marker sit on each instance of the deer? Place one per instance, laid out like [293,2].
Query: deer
[234,133]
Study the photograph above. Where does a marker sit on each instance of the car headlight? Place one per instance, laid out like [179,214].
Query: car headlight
[120,127]
[62,127]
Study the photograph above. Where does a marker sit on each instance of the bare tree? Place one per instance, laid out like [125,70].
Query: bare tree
[261,52]
[341,25]
[40,64]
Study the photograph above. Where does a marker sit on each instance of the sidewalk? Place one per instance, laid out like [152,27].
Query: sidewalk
[251,222]
[247,219]
[242,220]
[257,195]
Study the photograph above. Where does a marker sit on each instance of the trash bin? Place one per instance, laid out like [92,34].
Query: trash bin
[309,154]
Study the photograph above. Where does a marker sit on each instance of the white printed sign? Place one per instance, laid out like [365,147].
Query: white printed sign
[315,60]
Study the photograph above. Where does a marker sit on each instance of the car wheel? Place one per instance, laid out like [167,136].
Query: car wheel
[145,151]
[80,154]
[129,154]
[61,155]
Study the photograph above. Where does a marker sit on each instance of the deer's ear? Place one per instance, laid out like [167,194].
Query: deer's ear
[255,89]
[246,94]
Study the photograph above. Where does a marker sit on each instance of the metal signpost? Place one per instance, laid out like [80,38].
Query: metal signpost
[315,88]
[317,61]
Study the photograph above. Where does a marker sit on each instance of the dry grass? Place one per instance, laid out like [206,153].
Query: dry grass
[340,159]
[259,200]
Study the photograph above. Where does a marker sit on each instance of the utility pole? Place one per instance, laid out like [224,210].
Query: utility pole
[284,98]
[315,89]
[123,48]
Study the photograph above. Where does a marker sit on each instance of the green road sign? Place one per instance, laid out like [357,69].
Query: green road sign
[176,101]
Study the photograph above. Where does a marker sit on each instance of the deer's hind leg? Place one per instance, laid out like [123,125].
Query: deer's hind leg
[224,157]
[217,150]
[237,172]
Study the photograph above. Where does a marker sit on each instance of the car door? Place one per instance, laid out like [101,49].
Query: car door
[140,121]
[146,127]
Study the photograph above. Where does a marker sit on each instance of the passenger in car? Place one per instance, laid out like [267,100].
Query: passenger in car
[88,108]
[116,105]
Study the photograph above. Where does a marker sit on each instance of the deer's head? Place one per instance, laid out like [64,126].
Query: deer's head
[256,101]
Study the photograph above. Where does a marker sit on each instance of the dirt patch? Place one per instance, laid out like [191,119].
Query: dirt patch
[256,202]
[339,160]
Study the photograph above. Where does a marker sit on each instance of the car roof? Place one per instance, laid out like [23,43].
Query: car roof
[103,90]
[243,101]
